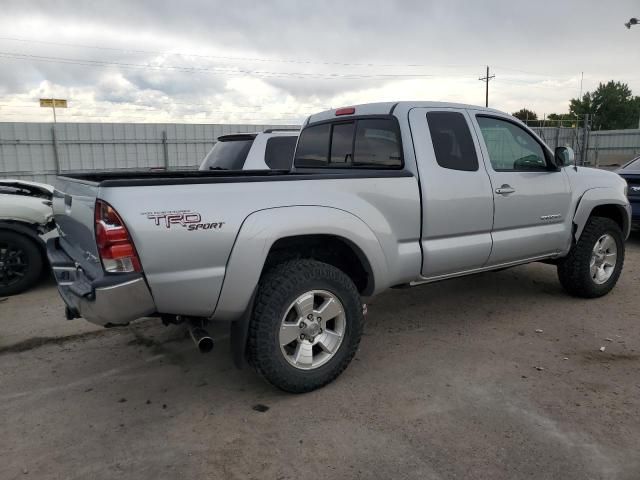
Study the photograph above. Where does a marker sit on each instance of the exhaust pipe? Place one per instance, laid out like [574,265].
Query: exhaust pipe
[201,338]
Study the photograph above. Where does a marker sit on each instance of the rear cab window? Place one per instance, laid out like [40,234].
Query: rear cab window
[228,153]
[358,143]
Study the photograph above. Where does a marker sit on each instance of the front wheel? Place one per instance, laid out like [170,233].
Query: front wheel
[306,326]
[594,264]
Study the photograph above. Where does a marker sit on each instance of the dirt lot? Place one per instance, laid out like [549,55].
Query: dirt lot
[445,385]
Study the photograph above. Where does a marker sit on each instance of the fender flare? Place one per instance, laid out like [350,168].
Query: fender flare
[257,235]
[596,197]
[27,231]
[263,228]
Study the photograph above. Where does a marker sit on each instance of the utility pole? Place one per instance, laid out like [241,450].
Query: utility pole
[53,103]
[486,81]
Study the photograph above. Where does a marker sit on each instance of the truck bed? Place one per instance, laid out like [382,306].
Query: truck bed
[185,268]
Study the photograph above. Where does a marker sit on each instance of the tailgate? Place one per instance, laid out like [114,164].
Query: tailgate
[73,210]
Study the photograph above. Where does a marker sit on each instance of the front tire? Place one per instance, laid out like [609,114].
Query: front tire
[594,264]
[306,326]
[20,263]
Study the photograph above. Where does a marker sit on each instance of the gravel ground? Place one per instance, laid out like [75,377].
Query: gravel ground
[495,376]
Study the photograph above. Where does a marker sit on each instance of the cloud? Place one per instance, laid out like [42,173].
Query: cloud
[280,60]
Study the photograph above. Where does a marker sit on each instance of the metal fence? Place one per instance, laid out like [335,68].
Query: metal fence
[597,148]
[612,147]
[40,151]
[564,136]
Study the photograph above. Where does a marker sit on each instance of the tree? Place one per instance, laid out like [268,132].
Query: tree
[612,105]
[524,114]
[562,120]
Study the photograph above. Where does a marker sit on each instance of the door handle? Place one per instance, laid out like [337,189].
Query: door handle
[505,189]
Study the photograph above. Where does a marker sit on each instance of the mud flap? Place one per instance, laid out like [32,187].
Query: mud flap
[240,332]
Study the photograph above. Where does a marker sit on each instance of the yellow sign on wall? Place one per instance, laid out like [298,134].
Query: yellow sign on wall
[53,102]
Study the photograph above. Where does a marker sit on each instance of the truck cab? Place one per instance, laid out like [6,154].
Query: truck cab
[493,194]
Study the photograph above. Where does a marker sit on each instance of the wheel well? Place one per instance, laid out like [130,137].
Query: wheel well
[27,231]
[614,212]
[336,251]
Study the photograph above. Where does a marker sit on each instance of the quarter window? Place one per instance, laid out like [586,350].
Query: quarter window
[510,147]
[452,142]
[278,154]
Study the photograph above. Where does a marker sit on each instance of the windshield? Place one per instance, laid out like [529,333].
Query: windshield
[633,164]
[227,155]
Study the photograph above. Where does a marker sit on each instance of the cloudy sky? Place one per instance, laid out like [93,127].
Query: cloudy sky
[210,61]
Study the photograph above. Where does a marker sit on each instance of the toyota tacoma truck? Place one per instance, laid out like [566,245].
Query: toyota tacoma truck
[380,195]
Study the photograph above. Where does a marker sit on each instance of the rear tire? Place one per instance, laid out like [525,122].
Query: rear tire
[20,263]
[291,298]
[585,272]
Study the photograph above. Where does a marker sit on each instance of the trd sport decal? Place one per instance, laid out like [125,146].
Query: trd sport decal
[188,219]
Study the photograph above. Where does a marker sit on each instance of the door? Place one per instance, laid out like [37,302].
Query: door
[531,196]
[457,203]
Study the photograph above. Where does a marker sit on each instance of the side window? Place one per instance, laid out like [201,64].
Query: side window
[377,143]
[313,146]
[510,147]
[452,141]
[279,151]
[341,143]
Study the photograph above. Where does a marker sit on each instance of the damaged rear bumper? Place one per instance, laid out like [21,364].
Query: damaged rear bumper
[108,301]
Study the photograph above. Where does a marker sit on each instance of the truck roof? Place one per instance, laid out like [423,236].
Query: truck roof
[386,108]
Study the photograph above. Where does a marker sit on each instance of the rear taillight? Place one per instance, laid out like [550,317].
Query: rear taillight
[115,247]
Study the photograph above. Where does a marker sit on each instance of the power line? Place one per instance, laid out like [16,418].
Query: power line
[213,70]
[252,59]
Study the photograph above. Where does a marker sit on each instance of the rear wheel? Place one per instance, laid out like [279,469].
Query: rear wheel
[20,263]
[306,325]
[594,264]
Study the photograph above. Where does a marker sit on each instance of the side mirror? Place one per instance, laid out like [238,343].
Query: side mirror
[564,156]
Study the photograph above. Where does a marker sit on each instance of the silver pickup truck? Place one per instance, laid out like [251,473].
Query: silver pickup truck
[380,195]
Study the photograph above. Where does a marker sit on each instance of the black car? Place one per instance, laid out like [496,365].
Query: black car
[631,173]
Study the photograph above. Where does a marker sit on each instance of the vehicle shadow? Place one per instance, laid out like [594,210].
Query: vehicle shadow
[634,237]
[449,306]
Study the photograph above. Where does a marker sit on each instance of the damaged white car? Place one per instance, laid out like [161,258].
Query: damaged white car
[25,216]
